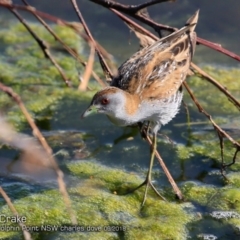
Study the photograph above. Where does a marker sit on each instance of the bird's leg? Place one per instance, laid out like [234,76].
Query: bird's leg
[148,180]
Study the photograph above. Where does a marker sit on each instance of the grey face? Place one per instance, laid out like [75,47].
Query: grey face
[109,101]
[98,105]
[101,103]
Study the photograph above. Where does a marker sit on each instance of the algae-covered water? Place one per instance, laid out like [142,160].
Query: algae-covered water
[101,161]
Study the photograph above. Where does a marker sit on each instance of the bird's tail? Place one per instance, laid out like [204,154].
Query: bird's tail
[192,21]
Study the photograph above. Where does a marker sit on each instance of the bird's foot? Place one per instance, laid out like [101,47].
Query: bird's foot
[148,184]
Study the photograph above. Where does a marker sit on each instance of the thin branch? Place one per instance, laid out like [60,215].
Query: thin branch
[131,22]
[42,140]
[69,50]
[221,133]
[103,63]
[88,70]
[217,85]
[26,234]
[156,26]
[127,10]
[218,48]
[216,127]
[131,9]
[43,46]
[139,7]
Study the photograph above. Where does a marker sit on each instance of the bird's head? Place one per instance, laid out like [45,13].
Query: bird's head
[107,101]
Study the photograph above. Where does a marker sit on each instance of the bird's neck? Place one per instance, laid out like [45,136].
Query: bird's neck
[132,104]
[129,113]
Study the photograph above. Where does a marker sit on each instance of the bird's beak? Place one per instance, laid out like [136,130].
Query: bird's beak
[91,110]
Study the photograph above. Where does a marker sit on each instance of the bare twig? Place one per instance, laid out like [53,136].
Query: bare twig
[218,47]
[130,9]
[43,46]
[103,63]
[26,234]
[42,140]
[216,84]
[69,50]
[127,9]
[88,70]
[132,23]
[219,130]
[139,7]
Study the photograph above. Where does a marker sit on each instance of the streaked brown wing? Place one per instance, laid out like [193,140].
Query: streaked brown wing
[167,71]
[161,67]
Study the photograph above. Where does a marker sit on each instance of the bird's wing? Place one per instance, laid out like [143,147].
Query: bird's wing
[159,69]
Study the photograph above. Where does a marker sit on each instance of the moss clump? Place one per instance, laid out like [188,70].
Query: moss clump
[95,205]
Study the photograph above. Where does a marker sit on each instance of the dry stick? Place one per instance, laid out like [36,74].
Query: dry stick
[43,46]
[218,47]
[131,22]
[137,8]
[127,9]
[103,63]
[219,130]
[42,140]
[32,10]
[69,50]
[217,84]
[26,234]
[53,19]
[133,9]
[88,70]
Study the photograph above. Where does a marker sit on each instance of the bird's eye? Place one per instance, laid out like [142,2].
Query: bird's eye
[104,101]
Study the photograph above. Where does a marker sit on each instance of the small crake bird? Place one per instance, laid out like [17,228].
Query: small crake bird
[148,86]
